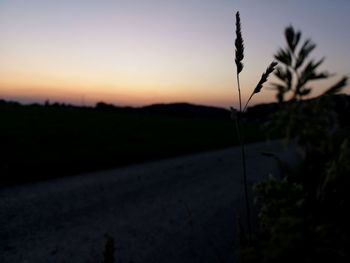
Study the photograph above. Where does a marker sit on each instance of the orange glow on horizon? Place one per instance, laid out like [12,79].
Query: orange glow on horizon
[140,52]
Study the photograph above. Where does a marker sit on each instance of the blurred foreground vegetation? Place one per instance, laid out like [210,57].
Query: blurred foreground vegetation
[303,213]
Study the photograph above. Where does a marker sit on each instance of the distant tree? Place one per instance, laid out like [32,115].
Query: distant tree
[296,70]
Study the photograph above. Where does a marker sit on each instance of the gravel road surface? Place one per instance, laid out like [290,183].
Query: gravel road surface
[175,210]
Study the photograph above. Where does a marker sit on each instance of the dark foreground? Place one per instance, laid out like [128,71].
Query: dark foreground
[43,142]
[177,210]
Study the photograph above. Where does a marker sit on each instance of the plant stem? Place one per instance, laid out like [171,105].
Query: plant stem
[246,105]
[241,140]
[239,94]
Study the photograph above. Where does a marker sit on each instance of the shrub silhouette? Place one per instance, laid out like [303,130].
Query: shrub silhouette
[296,70]
[303,216]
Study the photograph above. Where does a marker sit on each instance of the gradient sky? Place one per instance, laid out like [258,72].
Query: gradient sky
[136,52]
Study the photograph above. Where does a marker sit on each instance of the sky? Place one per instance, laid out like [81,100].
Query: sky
[139,52]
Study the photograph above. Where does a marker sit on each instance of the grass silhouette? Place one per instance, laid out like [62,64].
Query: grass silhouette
[239,55]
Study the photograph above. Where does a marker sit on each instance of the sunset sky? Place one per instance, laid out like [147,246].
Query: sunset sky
[137,52]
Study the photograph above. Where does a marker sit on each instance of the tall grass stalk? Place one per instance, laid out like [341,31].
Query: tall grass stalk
[239,65]
[239,55]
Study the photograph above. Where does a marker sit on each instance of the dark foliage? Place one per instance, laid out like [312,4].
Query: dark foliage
[186,110]
[42,142]
[182,110]
[303,215]
[297,70]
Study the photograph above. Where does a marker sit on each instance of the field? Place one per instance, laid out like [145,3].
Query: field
[42,142]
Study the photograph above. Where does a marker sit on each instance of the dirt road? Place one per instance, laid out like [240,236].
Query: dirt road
[175,210]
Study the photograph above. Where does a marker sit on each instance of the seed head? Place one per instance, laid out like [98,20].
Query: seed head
[239,45]
[264,76]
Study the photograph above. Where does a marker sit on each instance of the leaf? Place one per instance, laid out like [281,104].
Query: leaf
[289,34]
[299,62]
[337,87]
[285,76]
[322,75]
[292,37]
[307,48]
[318,63]
[284,56]
[304,52]
[297,39]
[309,72]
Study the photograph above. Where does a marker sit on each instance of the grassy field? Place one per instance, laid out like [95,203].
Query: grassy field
[43,142]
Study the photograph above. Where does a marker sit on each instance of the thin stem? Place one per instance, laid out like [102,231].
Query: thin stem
[241,140]
[246,105]
[239,94]
[245,183]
